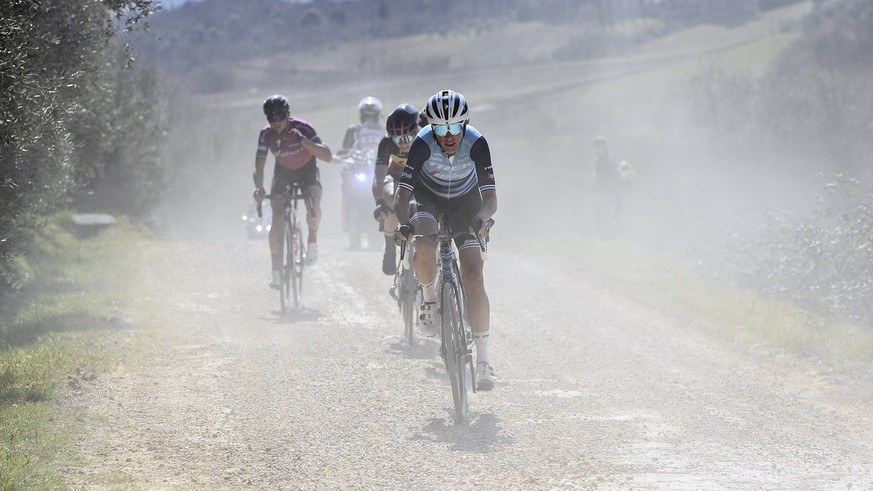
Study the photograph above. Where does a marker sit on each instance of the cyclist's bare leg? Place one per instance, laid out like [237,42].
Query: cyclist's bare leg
[278,205]
[389,220]
[425,256]
[478,312]
[390,223]
[313,214]
[478,305]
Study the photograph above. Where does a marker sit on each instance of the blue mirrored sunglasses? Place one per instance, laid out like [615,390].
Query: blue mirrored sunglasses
[400,140]
[444,129]
[275,118]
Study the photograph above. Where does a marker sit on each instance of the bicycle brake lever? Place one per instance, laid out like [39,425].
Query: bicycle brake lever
[405,262]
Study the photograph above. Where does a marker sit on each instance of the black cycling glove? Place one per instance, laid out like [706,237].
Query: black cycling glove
[476,224]
[381,207]
[406,230]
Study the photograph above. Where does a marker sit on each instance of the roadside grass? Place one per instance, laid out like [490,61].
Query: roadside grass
[55,336]
[740,317]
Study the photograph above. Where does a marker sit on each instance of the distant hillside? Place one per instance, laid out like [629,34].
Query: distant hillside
[204,32]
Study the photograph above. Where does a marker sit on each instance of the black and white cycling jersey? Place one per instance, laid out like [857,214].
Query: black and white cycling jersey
[448,177]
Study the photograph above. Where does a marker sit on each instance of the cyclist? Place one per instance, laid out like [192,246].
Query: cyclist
[448,167]
[402,125]
[364,135]
[295,145]
[368,132]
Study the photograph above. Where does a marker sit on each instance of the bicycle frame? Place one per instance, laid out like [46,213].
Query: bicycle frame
[291,250]
[456,335]
[456,344]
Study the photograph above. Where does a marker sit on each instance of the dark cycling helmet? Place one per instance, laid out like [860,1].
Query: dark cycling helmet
[402,121]
[370,108]
[277,105]
[447,107]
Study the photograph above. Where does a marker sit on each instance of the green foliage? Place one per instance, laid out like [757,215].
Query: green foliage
[812,104]
[118,160]
[54,54]
[54,340]
[814,101]
[28,440]
[822,262]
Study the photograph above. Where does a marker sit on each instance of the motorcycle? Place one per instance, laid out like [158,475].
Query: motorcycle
[258,227]
[357,207]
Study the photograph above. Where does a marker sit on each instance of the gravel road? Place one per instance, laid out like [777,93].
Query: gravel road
[216,390]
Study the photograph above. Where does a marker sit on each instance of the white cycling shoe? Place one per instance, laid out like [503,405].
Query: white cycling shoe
[311,254]
[426,315]
[274,280]
[485,378]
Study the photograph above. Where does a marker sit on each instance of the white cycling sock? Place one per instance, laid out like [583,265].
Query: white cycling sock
[483,354]
[429,291]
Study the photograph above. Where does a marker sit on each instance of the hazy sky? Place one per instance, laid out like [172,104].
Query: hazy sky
[172,3]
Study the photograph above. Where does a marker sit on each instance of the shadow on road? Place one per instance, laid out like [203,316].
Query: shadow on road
[295,316]
[420,350]
[482,434]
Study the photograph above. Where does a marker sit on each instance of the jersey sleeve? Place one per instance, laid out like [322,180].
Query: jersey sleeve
[350,137]
[263,146]
[481,154]
[386,148]
[419,152]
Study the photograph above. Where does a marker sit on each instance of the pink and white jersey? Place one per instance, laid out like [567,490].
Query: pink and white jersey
[289,152]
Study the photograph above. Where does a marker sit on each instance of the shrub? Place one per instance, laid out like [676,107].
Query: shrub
[822,262]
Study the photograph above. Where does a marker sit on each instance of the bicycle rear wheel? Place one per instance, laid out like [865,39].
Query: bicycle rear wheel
[455,349]
[295,260]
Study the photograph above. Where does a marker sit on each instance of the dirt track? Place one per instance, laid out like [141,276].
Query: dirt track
[218,391]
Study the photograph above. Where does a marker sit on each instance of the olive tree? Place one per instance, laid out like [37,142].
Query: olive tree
[51,52]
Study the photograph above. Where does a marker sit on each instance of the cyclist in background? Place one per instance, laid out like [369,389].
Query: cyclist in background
[295,145]
[448,168]
[402,125]
[368,132]
[365,136]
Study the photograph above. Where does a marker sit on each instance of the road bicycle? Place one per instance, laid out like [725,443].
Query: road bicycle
[456,345]
[407,292]
[291,250]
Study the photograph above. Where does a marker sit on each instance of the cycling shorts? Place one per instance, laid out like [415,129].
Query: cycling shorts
[461,210]
[306,176]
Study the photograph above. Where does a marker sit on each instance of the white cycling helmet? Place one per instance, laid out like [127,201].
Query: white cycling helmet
[447,107]
[370,108]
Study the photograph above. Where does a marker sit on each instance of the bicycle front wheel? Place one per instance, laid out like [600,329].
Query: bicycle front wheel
[455,349]
[284,269]
[295,260]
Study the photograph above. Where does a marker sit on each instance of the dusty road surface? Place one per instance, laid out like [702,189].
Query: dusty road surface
[219,391]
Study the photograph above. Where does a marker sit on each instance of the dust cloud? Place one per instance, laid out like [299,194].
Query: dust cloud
[540,121]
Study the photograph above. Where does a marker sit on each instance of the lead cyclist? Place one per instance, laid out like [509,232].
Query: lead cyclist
[448,168]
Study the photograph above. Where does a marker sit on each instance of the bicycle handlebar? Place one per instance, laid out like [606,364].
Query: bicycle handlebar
[443,235]
[291,193]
